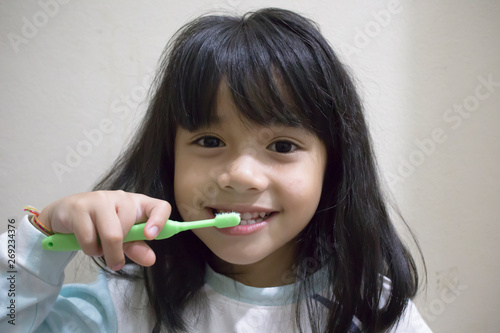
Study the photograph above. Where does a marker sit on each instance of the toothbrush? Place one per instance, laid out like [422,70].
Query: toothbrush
[68,242]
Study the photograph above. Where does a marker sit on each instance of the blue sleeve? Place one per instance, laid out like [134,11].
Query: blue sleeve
[33,297]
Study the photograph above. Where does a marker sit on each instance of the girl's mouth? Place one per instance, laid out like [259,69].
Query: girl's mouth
[250,223]
[246,217]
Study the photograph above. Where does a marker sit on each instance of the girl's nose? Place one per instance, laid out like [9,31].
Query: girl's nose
[244,173]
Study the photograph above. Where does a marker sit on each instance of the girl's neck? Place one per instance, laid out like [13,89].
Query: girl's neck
[274,271]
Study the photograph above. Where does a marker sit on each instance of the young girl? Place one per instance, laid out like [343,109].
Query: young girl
[255,115]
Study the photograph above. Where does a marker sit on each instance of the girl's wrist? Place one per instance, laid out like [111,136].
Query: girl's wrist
[36,221]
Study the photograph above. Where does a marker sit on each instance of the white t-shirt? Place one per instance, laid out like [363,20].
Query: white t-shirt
[235,307]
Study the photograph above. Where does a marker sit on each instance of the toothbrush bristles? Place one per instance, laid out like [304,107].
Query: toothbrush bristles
[227,219]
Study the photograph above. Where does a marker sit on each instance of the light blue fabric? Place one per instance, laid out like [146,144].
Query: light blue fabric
[42,303]
[272,296]
[82,308]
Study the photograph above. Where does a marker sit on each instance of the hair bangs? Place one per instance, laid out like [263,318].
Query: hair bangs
[261,64]
[193,73]
[270,74]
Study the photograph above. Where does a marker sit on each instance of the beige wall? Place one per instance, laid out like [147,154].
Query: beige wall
[73,75]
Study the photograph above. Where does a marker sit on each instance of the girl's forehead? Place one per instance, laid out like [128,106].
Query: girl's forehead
[225,109]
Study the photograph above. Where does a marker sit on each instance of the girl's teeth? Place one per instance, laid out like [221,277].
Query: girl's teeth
[252,221]
[250,218]
[246,216]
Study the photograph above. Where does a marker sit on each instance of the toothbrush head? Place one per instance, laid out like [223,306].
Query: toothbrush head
[225,220]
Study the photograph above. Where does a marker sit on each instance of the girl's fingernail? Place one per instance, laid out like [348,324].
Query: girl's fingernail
[154,231]
[117,267]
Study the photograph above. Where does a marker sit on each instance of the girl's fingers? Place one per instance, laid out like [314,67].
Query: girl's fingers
[142,208]
[156,212]
[101,220]
[114,220]
[111,234]
[140,253]
[86,234]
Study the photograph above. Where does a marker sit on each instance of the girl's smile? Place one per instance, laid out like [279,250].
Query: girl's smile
[253,219]
[272,175]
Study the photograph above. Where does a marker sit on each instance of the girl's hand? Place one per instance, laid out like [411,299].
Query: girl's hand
[109,214]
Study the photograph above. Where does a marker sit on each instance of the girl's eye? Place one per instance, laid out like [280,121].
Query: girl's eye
[282,147]
[209,142]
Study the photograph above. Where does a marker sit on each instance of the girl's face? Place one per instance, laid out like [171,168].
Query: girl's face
[272,175]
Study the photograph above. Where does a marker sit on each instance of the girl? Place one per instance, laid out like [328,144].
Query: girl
[251,114]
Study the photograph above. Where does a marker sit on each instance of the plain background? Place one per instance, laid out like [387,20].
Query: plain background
[73,76]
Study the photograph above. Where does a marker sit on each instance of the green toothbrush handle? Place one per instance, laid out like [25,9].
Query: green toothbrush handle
[136,233]
[68,242]
[61,242]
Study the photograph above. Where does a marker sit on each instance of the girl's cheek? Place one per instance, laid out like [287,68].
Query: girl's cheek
[297,188]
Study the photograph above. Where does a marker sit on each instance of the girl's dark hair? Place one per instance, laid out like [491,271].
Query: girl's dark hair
[280,69]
